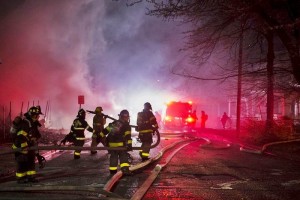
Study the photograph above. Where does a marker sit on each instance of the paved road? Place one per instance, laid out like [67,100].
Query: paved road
[226,173]
[198,171]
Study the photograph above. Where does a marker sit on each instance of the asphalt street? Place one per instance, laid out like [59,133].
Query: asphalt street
[212,167]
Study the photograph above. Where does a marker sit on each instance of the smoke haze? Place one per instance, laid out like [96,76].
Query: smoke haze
[116,56]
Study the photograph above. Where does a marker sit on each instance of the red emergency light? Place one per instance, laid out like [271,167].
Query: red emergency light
[190,119]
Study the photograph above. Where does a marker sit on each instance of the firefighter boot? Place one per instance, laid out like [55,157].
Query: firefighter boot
[145,158]
[22,180]
[126,171]
[32,180]
[76,155]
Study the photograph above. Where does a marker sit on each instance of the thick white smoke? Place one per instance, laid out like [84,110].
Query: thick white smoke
[114,55]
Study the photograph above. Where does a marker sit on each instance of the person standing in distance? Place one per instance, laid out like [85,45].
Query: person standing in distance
[224,119]
[204,118]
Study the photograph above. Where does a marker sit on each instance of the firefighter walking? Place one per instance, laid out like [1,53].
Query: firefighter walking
[26,137]
[99,121]
[146,125]
[119,135]
[77,131]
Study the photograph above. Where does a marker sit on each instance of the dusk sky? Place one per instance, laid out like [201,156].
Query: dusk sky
[114,55]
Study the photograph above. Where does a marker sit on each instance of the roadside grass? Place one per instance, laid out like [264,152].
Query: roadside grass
[254,131]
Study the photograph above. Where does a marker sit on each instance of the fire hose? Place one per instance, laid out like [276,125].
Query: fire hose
[109,117]
[59,147]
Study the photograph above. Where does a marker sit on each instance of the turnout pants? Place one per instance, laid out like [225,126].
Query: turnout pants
[95,141]
[115,156]
[146,139]
[25,165]
[78,143]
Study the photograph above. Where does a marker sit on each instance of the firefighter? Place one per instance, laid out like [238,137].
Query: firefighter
[118,134]
[26,137]
[36,136]
[146,125]
[99,121]
[77,131]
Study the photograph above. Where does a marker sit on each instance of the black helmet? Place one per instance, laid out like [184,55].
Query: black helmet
[147,106]
[124,113]
[81,113]
[33,111]
[39,110]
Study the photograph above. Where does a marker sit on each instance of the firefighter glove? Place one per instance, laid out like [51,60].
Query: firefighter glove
[41,160]
[63,142]
[154,131]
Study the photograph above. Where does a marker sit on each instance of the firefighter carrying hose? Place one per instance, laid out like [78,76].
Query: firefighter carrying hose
[26,137]
[99,121]
[76,134]
[119,135]
[147,125]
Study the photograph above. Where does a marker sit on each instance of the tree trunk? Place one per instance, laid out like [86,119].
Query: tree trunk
[270,84]
[239,88]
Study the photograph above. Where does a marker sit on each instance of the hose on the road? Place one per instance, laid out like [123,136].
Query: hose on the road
[37,188]
[109,185]
[148,182]
[264,148]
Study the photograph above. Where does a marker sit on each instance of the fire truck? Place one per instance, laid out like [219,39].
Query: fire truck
[179,115]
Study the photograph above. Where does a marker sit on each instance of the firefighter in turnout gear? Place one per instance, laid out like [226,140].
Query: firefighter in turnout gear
[77,130]
[119,135]
[99,121]
[27,137]
[147,124]
[36,136]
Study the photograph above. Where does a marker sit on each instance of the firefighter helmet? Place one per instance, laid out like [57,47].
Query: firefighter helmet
[33,111]
[98,109]
[123,114]
[147,106]
[81,113]
[39,110]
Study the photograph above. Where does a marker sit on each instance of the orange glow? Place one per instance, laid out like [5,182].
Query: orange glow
[171,102]
[168,118]
[168,103]
[190,120]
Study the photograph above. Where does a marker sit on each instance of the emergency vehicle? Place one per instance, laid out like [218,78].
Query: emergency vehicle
[178,115]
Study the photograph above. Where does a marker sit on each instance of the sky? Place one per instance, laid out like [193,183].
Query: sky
[52,51]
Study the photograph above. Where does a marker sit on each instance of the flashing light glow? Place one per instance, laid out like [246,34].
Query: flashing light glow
[171,102]
[190,119]
[168,118]
[168,103]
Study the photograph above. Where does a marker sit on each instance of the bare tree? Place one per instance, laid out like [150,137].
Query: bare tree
[217,27]
[218,21]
